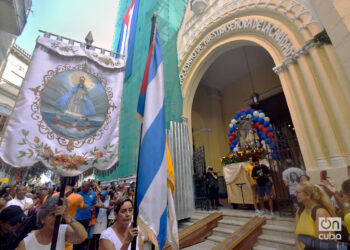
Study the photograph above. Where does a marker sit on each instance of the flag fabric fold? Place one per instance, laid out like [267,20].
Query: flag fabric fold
[152,192]
[127,36]
[172,231]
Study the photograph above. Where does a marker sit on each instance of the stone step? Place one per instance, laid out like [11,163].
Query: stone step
[215,238]
[280,231]
[271,241]
[201,246]
[261,247]
[244,216]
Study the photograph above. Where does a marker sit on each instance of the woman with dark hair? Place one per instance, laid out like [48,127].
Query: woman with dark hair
[40,239]
[120,235]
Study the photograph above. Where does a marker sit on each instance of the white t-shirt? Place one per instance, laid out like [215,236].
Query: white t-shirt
[26,202]
[31,243]
[292,175]
[102,214]
[111,236]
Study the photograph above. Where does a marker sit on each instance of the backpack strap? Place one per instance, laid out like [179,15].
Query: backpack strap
[313,211]
[301,209]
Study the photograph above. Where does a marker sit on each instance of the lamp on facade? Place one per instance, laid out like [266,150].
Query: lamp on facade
[198,6]
[255,96]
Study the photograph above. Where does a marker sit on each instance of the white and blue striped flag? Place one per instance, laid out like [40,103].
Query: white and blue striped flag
[151,197]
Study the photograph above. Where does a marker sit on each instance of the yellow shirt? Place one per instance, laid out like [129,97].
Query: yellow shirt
[305,225]
[249,169]
[347,221]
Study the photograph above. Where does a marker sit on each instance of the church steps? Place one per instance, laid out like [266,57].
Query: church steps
[278,233]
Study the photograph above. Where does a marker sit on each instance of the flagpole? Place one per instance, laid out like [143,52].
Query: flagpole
[134,224]
[58,217]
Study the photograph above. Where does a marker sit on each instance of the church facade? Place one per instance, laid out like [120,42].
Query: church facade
[288,57]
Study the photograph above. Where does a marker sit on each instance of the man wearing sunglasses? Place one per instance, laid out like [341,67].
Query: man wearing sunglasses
[14,227]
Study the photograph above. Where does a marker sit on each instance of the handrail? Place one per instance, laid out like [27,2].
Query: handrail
[245,237]
[197,232]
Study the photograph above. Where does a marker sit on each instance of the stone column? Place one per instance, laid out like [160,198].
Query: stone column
[298,122]
[308,114]
[336,101]
[322,111]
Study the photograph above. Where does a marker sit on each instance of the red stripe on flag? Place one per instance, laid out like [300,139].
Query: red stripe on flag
[148,63]
[127,15]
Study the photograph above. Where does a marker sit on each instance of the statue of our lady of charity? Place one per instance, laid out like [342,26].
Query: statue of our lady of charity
[76,101]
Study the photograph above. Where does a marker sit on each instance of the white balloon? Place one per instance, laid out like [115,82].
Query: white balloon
[262,142]
[233,121]
[249,116]
[256,113]
[267,119]
[261,115]
[231,125]
[235,149]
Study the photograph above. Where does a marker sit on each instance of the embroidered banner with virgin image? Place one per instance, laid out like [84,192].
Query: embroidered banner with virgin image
[67,112]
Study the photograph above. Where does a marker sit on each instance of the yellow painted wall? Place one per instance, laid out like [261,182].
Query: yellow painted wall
[213,110]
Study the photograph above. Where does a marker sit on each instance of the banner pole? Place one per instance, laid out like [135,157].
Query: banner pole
[133,243]
[58,218]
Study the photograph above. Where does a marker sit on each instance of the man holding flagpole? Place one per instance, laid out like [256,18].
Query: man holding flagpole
[152,192]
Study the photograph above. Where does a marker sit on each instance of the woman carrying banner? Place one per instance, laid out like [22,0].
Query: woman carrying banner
[72,232]
[120,235]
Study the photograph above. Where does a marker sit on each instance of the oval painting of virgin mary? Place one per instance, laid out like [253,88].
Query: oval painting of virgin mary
[74,104]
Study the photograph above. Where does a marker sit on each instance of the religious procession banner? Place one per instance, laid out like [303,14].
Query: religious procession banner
[67,112]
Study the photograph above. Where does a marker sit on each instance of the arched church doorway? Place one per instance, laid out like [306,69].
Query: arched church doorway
[239,78]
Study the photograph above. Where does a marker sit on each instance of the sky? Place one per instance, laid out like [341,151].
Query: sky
[72,19]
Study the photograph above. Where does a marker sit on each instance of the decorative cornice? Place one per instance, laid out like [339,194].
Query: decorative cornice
[19,51]
[303,51]
[193,27]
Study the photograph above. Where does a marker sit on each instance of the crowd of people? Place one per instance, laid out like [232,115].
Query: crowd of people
[314,204]
[93,216]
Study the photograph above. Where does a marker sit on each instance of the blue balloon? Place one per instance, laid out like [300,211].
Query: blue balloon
[263,137]
[239,114]
[252,111]
[247,111]
[268,141]
[236,117]
[273,145]
[235,141]
[260,133]
[274,156]
[270,129]
[260,111]
[232,146]
[231,130]
[255,118]
[261,120]
[266,123]
[229,133]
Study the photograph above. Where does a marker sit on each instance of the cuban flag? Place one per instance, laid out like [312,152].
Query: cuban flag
[127,36]
[151,197]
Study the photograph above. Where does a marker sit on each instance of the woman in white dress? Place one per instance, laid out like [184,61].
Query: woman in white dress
[72,232]
[121,234]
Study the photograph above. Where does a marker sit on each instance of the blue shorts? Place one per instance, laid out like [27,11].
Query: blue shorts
[262,190]
[90,231]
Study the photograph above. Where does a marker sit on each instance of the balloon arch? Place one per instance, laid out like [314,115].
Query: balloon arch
[262,139]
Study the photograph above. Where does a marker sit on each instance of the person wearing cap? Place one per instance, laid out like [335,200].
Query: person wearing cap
[101,221]
[14,226]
